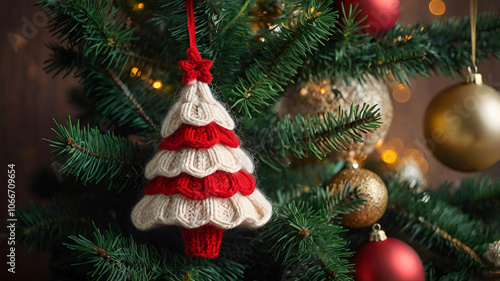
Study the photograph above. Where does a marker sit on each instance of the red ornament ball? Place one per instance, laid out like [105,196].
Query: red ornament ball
[382,14]
[386,260]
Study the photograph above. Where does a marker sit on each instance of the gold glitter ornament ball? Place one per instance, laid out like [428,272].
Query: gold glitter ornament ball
[462,126]
[315,98]
[493,253]
[367,185]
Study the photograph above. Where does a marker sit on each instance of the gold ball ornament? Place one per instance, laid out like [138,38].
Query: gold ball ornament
[366,185]
[462,126]
[315,98]
[493,253]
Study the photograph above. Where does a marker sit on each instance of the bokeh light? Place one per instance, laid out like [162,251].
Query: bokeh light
[396,145]
[401,93]
[437,7]
[133,71]
[422,163]
[389,156]
[304,91]
[413,153]
[157,84]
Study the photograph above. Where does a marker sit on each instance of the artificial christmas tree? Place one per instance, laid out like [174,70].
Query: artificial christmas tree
[128,68]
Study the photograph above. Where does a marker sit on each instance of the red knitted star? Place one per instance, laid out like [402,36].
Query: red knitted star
[195,68]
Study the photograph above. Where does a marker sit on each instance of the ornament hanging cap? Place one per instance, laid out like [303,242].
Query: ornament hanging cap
[195,68]
[378,234]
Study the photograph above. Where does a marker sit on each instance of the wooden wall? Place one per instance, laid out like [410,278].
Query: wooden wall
[29,100]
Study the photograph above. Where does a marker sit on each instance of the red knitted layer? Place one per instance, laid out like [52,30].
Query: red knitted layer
[203,241]
[200,137]
[219,184]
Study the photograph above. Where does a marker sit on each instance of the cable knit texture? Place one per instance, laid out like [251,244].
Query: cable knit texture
[153,210]
[219,184]
[200,179]
[198,162]
[199,137]
[197,107]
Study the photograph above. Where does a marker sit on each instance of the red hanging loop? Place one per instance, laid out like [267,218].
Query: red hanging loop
[195,68]
[191,24]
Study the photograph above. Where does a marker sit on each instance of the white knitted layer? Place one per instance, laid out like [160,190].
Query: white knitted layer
[197,107]
[153,210]
[198,162]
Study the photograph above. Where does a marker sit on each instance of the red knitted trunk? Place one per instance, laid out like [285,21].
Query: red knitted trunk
[203,241]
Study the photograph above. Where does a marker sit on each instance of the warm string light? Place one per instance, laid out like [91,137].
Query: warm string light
[395,151]
[136,72]
[403,39]
[389,156]
[157,84]
[315,90]
[138,6]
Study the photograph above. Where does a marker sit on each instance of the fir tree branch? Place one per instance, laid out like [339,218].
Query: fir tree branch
[111,256]
[301,238]
[455,276]
[457,243]
[317,136]
[459,275]
[228,44]
[62,59]
[442,226]
[130,97]
[150,61]
[93,27]
[41,227]
[475,189]
[98,38]
[132,103]
[72,144]
[477,196]
[282,52]
[240,13]
[405,51]
[299,183]
[340,201]
[93,157]
[114,257]
[172,14]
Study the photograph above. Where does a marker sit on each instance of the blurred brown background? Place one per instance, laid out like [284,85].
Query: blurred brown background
[29,99]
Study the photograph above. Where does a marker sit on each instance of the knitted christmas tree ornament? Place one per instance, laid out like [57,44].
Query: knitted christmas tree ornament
[200,179]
